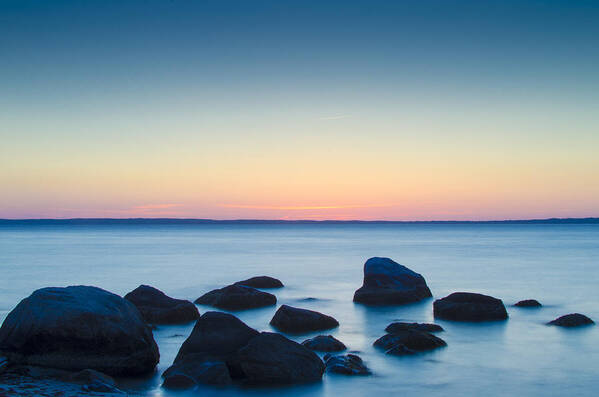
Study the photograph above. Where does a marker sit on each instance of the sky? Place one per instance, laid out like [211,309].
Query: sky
[371,109]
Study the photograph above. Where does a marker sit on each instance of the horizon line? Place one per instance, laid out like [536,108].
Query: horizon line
[278,221]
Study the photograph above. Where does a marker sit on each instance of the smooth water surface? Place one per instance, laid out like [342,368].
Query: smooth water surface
[555,264]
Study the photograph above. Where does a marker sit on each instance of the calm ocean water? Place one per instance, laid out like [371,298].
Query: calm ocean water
[555,263]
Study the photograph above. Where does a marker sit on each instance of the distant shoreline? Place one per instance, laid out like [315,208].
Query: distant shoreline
[194,221]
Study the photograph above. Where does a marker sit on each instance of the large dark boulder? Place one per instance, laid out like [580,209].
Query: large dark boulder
[349,364]
[203,357]
[399,326]
[76,328]
[417,341]
[196,369]
[467,306]
[271,358]
[216,334]
[324,343]
[528,303]
[158,308]
[237,297]
[571,320]
[94,381]
[388,283]
[263,282]
[297,321]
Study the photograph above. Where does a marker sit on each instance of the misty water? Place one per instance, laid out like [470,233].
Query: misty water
[556,264]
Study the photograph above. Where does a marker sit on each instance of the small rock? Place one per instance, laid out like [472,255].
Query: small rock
[324,343]
[349,364]
[400,326]
[294,320]
[386,282]
[201,369]
[572,320]
[467,306]
[237,297]
[263,282]
[413,340]
[528,303]
[158,308]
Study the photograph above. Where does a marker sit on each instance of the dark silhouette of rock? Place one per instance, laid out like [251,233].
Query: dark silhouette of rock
[467,306]
[237,297]
[528,303]
[400,350]
[418,341]
[399,326]
[178,380]
[95,381]
[296,321]
[3,364]
[158,308]
[571,320]
[200,369]
[217,335]
[203,357]
[76,328]
[388,283]
[263,282]
[324,343]
[271,358]
[349,364]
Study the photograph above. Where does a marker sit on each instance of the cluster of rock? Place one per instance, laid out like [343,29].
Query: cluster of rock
[222,349]
[94,333]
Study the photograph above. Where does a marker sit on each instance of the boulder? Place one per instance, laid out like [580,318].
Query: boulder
[263,282]
[296,321]
[400,350]
[388,283]
[399,326]
[178,380]
[215,338]
[216,335]
[76,328]
[324,343]
[417,341]
[157,308]
[348,364]
[237,297]
[528,303]
[95,381]
[571,320]
[467,306]
[196,369]
[271,358]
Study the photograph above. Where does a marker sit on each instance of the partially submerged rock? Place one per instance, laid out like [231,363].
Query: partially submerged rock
[76,328]
[388,283]
[572,320]
[271,358]
[324,343]
[95,381]
[237,297]
[263,282]
[158,308]
[401,326]
[528,303]
[203,357]
[296,321]
[417,341]
[349,364]
[467,306]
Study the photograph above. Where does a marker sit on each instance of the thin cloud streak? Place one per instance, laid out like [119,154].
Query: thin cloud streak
[303,207]
[149,207]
